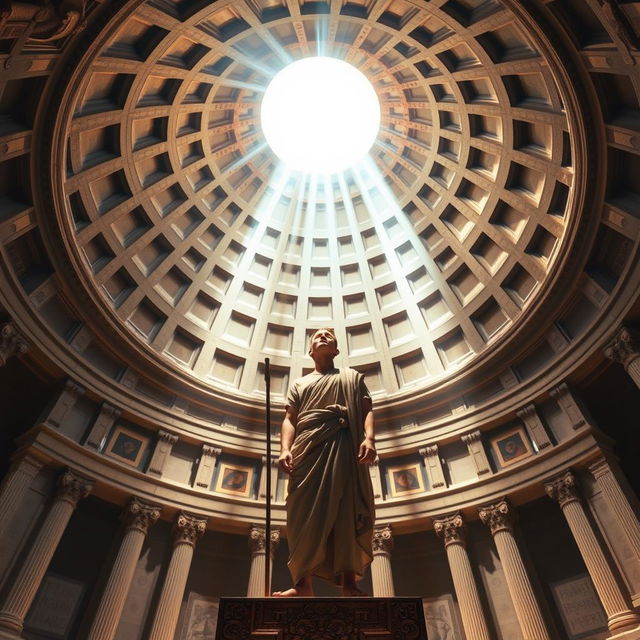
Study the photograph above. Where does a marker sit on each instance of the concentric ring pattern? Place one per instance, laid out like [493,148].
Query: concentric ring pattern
[214,257]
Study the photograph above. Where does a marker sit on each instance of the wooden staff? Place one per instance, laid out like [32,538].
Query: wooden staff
[267,533]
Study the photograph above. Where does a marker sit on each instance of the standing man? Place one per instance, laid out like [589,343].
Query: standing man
[327,440]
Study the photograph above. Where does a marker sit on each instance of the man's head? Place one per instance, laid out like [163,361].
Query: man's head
[323,341]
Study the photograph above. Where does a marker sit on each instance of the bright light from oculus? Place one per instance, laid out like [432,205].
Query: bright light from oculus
[320,115]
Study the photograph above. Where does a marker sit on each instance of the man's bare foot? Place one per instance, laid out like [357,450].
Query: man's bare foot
[353,592]
[294,592]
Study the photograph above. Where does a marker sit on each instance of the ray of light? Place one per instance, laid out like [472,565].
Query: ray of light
[245,158]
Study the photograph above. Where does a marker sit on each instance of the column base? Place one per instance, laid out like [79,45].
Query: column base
[10,624]
[629,634]
[9,635]
[623,620]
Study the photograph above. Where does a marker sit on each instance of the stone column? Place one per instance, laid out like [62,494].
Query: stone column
[207,464]
[617,500]
[188,529]
[452,530]
[12,342]
[258,548]
[564,489]
[70,490]
[161,452]
[499,518]
[625,349]
[381,575]
[138,517]
[431,457]
[473,440]
[15,486]
[532,420]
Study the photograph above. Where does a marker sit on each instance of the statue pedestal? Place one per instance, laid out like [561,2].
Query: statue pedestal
[321,619]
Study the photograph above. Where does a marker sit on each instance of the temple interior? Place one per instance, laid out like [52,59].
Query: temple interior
[480,267]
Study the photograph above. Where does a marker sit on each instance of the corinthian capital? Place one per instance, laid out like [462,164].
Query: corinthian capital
[12,342]
[258,539]
[188,529]
[499,516]
[72,487]
[451,529]
[624,347]
[140,515]
[382,539]
[563,488]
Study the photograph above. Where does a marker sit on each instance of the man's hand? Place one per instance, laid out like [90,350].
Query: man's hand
[367,452]
[285,461]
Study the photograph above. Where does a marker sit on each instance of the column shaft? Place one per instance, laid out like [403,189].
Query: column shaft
[524,601]
[168,610]
[381,576]
[255,588]
[619,504]
[71,488]
[633,369]
[107,618]
[473,619]
[138,517]
[618,612]
[15,486]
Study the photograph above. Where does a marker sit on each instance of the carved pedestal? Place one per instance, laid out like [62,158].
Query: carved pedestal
[321,619]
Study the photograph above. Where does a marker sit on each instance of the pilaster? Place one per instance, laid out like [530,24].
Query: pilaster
[431,458]
[473,440]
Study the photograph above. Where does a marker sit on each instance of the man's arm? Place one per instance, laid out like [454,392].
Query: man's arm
[367,451]
[287,435]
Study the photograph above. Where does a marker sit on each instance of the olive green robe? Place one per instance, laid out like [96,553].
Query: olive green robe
[330,509]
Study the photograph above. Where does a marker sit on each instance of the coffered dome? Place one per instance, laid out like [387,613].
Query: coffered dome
[207,255]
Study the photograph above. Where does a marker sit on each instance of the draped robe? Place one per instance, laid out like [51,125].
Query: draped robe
[330,509]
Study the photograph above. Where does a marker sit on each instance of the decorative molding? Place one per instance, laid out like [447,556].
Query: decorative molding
[473,440]
[451,529]
[140,515]
[499,516]
[529,415]
[382,540]
[563,489]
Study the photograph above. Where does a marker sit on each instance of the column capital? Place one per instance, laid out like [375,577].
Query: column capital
[12,342]
[140,515]
[167,436]
[563,488]
[72,487]
[382,540]
[451,529]
[258,539]
[624,346]
[499,516]
[527,411]
[188,529]
[74,387]
[428,452]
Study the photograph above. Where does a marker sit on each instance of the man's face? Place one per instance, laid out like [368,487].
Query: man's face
[323,341]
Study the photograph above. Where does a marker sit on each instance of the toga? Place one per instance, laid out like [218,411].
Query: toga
[330,509]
